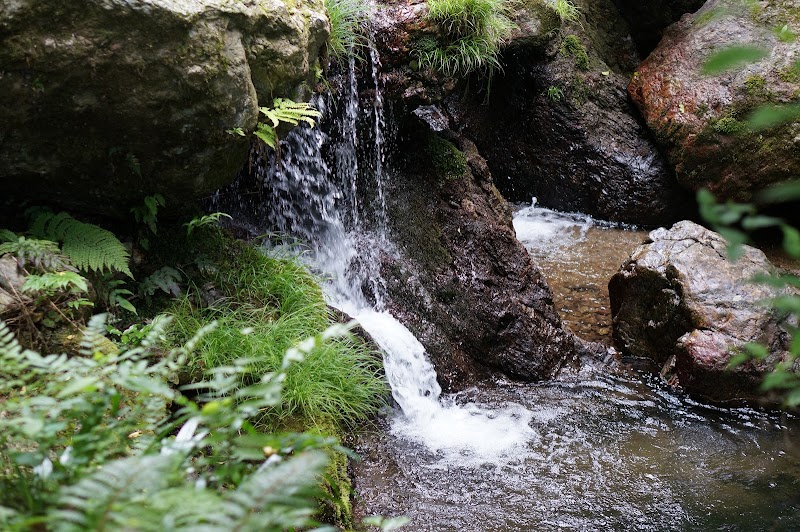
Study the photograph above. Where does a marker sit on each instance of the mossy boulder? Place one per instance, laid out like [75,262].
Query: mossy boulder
[700,120]
[106,101]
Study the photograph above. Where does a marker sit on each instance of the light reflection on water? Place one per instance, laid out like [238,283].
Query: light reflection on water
[605,451]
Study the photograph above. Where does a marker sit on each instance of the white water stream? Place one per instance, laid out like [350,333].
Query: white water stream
[329,191]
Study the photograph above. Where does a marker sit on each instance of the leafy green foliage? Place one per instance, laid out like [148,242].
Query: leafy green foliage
[555,94]
[769,116]
[41,254]
[147,215]
[204,221]
[732,57]
[348,18]
[89,248]
[51,283]
[166,279]
[473,32]
[283,111]
[88,443]
[115,296]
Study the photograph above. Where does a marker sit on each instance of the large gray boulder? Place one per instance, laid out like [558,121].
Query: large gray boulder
[679,299]
[103,102]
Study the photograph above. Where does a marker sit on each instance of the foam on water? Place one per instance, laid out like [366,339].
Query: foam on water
[543,229]
[456,432]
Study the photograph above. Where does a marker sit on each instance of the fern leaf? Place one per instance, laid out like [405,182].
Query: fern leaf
[111,498]
[278,497]
[266,134]
[54,282]
[88,247]
[42,254]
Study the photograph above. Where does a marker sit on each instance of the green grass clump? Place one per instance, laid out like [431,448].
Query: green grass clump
[571,46]
[270,305]
[728,125]
[347,18]
[472,33]
[566,10]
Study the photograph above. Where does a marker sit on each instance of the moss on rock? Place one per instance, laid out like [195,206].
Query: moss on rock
[448,161]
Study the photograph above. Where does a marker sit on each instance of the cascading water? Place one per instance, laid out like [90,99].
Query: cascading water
[329,192]
[589,452]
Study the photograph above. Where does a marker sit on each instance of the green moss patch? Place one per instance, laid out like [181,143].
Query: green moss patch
[448,161]
[571,46]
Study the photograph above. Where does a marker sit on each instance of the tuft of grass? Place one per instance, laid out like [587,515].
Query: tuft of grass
[270,305]
[472,33]
[565,9]
[555,93]
[348,18]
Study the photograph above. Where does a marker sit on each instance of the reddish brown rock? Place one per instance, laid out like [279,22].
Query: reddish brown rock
[699,120]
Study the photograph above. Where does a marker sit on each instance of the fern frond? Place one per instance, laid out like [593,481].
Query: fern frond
[88,247]
[276,497]
[43,254]
[111,498]
[291,112]
[266,134]
[54,282]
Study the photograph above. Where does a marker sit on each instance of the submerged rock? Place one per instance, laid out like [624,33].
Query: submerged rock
[679,299]
[103,102]
[559,126]
[699,119]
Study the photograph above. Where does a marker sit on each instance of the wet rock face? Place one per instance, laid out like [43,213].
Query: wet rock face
[106,101]
[678,296]
[468,288]
[559,126]
[649,18]
[698,119]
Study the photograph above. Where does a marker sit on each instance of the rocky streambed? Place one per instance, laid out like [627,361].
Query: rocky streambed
[606,446]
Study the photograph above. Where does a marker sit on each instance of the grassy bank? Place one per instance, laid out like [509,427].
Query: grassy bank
[238,385]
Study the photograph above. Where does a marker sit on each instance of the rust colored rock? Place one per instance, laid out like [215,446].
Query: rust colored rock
[699,119]
[678,298]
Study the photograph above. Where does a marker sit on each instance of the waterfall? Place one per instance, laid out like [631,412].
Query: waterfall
[329,192]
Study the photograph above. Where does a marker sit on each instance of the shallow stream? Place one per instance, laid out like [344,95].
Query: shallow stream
[597,449]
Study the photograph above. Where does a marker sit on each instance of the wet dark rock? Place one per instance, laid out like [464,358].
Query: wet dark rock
[648,19]
[466,287]
[105,102]
[699,120]
[559,126]
[678,299]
